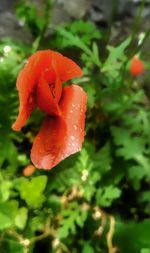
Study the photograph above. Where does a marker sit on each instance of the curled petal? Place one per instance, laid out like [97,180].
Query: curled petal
[45,100]
[66,68]
[26,84]
[61,136]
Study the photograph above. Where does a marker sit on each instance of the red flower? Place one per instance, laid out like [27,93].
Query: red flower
[40,85]
[136,66]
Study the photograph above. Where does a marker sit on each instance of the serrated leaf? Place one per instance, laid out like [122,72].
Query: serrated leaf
[72,216]
[116,53]
[102,159]
[91,95]
[106,195]
[136,172]
[129,147]
[115,58]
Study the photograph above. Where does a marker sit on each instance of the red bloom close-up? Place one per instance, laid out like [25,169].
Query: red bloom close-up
[136,66]
[39,84]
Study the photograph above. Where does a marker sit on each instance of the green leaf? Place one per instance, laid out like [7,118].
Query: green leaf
[75,40]
[106,195]
[8,213]
[7,150]
[71,216]
[116,56]
[10,245]
[21,217]
[145,196]
[129,147]
[37,223]
[32,191]
[87,248]
[145,251]
[5,189]
[136,172]
[102,159]
[132,237]
[91,95]
[87,31]
[5,221]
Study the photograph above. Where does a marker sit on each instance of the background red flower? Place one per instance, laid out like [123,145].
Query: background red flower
[136,66]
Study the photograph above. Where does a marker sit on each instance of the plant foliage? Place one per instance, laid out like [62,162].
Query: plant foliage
[95,201]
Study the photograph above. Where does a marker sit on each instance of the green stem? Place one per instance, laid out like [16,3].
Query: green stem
[111,19]
[136,25]
[50,232]
[132,51]
[147,34]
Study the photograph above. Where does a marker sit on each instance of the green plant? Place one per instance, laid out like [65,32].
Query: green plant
[97,200]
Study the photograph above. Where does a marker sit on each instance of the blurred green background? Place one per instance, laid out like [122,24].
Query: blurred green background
[97,201]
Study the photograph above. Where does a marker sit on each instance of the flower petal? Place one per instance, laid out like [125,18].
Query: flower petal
[45,100]
[136,66]
[66,68]
[48,142]
[60,137]
[26,85]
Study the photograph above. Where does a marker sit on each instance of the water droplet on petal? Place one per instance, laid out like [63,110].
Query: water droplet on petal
[72,137]
[75,127]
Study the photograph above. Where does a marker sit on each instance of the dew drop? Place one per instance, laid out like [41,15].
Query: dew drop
[75,127]
[72,137]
